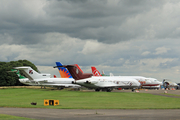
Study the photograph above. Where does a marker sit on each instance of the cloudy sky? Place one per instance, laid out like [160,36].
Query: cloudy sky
[125,37]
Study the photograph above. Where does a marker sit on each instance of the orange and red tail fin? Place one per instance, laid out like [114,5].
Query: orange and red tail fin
[63,71]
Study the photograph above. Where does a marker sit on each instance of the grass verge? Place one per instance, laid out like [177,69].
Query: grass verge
[22,97]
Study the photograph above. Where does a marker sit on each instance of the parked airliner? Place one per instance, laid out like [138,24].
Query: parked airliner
[99,83]
[145,82]
[45,79]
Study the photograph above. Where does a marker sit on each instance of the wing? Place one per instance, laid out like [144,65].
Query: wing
[62,85]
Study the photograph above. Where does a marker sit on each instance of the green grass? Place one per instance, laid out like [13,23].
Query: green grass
[22,97]
[10,117]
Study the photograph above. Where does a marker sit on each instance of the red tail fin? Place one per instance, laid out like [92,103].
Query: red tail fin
[95,72]
[55,76]
[79,67]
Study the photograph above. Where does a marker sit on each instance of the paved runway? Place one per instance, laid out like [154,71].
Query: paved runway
[99,114]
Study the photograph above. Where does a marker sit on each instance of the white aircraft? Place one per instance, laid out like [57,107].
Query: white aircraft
[22,79]
[36,78]
[100,83]
[145,82]
[155,84]
[148,83]
[169,84]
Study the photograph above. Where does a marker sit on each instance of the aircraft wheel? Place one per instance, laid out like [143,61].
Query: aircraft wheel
[109,90]
[59,88]
[97,90]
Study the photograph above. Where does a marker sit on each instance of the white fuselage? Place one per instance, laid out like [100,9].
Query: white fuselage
[55,82]
[169,84]
[108,82]
[154,83]
[145,82]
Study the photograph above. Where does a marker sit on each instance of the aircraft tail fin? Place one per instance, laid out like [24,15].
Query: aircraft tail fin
[76,72]
[95,71]
[79,67]
[103,74]
[17,73]
[31,74]
[63,71]
[111,74]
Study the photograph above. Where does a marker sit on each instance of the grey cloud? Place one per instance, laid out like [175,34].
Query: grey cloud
[119,36]
[99,20]
[169,64]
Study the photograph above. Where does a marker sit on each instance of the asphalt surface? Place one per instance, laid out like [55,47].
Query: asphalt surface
[99,114]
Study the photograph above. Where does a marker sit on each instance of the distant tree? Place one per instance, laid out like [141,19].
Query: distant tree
[11,79]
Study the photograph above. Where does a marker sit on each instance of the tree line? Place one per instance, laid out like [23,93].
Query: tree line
[10,78]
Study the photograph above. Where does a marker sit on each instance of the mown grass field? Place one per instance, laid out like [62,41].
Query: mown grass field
[11,117]
[22,97]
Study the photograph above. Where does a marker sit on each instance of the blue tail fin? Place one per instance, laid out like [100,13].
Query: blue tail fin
[63,71]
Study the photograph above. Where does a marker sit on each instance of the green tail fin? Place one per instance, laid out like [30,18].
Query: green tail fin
[18,74]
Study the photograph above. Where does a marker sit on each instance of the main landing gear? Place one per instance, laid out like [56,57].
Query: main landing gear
[97,90]
[107,89]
